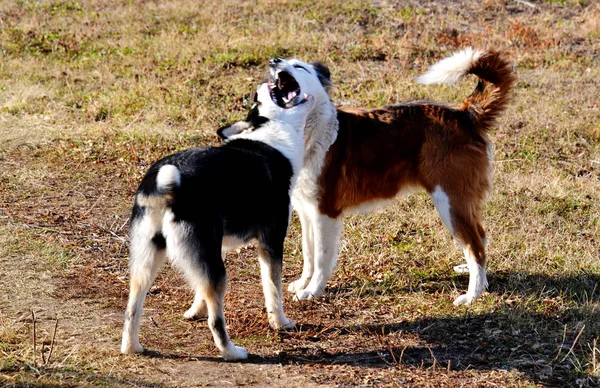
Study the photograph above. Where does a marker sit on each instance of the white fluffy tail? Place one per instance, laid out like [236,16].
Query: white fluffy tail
[168,178]
[451,69]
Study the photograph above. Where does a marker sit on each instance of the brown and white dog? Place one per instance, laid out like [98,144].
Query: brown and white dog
[356,157]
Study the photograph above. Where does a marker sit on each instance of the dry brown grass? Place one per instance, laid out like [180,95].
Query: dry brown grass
[92,92]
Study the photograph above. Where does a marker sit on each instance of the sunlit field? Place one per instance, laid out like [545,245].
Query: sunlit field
[93,92]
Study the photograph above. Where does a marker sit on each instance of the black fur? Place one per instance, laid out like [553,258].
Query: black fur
[218,325]
[243,184]
[159,241]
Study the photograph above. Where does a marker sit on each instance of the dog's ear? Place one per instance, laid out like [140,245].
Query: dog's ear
[254,117]
[253,121]
[323,74]
[233,129]
[253,112]
[240,126]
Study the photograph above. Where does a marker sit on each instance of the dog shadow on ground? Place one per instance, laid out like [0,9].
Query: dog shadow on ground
[554,345]
[545,328]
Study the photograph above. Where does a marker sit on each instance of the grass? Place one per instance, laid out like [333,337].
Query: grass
[91,93]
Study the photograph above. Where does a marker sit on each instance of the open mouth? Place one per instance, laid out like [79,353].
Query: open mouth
[285,91]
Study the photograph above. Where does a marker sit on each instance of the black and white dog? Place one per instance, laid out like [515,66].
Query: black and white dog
[187,209]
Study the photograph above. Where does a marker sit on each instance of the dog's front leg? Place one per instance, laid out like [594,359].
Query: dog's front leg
[308,249]
[270,269]
[327,232]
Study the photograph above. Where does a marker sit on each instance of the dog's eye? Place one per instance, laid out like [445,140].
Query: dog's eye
[301,67]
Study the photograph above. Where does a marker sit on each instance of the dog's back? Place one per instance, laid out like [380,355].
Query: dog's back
[239,185]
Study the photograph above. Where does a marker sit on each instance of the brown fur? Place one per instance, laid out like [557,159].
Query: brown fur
[378,152]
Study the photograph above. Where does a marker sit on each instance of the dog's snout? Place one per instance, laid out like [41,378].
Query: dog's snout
[275,61]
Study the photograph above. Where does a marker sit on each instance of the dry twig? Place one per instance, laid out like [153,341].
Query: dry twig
[34,344]
[562,344]
[574,342]
[52,342]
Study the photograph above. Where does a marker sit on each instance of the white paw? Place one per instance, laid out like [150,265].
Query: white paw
[298,285]
[281,324]
[233,353]
[193,313]
[129,348]
[307,294]
[464,300]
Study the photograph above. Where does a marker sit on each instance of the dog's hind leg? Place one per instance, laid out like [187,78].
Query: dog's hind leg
[215,293]
[198,309]
[213,283]
[147,256]
[462,219]
[195,250]
[212,280]
[327,232]
[270,257]
[471,237]
[308,252]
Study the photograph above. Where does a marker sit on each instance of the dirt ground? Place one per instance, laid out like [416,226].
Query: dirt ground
[86,295]
[81,323]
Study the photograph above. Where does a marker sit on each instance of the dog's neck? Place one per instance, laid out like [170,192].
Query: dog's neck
[320,133]
[285,138]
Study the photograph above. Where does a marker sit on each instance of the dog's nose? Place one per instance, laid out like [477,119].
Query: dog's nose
[275,61]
